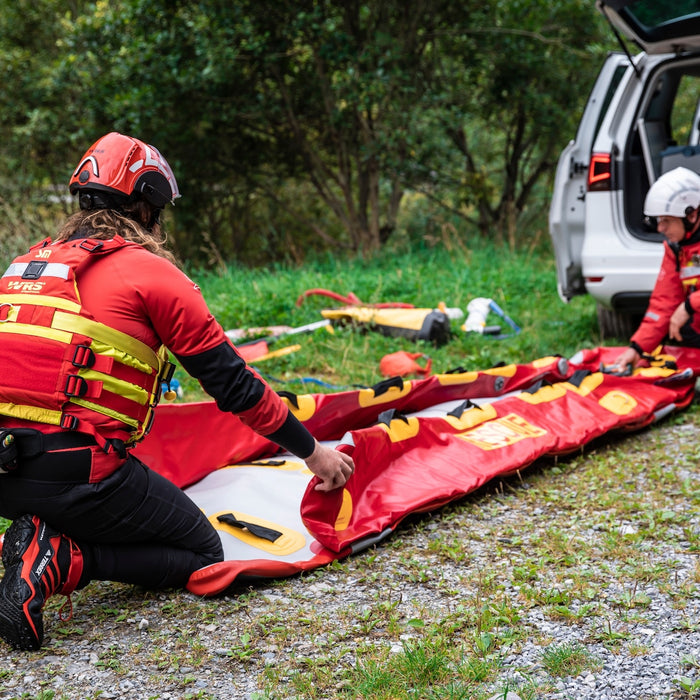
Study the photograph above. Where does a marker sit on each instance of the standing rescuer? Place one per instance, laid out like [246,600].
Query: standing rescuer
[85,321]
[673,202]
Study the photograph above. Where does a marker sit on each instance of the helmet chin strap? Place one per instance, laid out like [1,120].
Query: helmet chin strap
[692,229]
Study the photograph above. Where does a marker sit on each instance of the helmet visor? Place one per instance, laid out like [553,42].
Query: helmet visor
[166,171]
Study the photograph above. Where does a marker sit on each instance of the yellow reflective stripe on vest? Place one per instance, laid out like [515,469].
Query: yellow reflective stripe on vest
[132,422]
[37,300]
[37,331]
[117,386]
[32,413]
[120,356]
[109,341]
[109,336]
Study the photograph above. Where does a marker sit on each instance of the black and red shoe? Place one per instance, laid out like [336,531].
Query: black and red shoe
[38,561]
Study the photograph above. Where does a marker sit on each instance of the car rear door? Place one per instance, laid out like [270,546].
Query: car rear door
[567,213]
[656,27]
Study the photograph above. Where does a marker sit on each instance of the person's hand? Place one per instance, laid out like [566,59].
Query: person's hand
[332,467]
[678,319]
[629,357]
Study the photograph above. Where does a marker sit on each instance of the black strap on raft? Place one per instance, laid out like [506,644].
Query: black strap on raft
[391,414]
[462,370]
[656,361]
[464,406]
[264,533]
[578,376]
[456,370]
[537,386]
[291,397]
[382,387]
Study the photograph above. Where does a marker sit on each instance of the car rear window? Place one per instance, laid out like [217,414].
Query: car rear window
[652,13]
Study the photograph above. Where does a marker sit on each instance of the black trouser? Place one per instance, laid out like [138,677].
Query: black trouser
[135,526]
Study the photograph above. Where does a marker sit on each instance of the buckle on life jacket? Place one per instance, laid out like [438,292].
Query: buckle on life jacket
[167,372]
[164,379]
[69,422]
[83,356]
[117,446]
[34,269]
[90,245]
[76,386]
[149,423]
[5,309]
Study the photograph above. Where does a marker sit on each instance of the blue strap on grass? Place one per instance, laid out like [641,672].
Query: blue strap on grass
[497,309]
[309,380]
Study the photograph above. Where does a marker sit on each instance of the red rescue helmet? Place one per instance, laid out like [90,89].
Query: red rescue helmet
[124,168]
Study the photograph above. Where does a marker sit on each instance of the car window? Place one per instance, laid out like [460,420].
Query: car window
[683,113]
[651,13]
[671,119]
[612,88]
[657,27]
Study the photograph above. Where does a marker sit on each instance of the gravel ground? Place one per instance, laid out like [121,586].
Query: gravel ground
[557,552]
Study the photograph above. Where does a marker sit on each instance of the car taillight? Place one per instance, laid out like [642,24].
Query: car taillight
[600,172]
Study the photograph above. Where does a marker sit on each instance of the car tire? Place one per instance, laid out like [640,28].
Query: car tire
[617,324]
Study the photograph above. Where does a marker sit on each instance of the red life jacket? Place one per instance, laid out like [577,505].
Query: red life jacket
[54,354]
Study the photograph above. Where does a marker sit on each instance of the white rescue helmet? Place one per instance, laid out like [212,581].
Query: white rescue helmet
[675,193]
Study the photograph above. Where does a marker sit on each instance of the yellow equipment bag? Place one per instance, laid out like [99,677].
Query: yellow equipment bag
[432,325]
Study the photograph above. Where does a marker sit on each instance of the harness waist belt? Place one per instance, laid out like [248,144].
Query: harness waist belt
[31,443]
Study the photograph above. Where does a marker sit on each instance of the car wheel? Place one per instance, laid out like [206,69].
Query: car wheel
[617,324]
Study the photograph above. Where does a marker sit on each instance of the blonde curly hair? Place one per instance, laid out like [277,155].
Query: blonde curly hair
[104,224]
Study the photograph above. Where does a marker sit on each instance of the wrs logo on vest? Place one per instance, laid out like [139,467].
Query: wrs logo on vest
[26,286]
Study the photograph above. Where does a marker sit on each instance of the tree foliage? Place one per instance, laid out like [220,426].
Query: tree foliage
[303,123]
[513,102]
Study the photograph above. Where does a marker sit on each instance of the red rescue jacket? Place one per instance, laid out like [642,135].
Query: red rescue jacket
[678,280]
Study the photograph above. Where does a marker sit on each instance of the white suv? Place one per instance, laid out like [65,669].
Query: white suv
[641,119]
